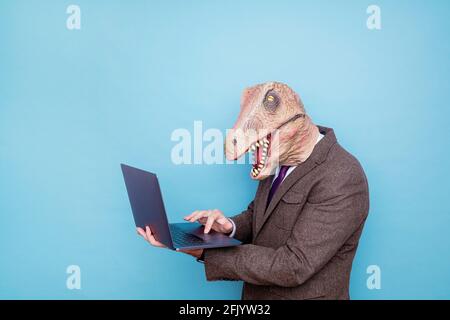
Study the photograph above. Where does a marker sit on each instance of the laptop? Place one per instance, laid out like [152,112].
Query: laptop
[148,210]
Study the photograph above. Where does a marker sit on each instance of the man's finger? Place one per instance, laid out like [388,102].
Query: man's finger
[222,220]
[142,233]
[210,222]
[151,238]
[198,215]
[190,215]
[202,220]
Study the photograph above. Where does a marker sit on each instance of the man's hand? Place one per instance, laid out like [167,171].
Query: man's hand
[211,219]
[148,236]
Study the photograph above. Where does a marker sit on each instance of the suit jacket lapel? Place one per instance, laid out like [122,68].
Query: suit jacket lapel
[317,157]
[262,201]
[289,181]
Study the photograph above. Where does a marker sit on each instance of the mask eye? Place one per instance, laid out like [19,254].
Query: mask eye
[271,100]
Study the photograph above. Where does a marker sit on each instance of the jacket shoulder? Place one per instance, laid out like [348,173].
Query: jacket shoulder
[342,176]
[341,162]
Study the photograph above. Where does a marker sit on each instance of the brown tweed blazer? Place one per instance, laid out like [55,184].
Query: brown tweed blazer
[302,246]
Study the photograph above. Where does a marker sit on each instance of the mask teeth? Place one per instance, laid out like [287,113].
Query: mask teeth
[258,166]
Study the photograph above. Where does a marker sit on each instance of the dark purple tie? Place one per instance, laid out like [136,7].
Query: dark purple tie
[276,183]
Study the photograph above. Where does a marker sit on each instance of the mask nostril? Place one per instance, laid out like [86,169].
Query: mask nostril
[234,141]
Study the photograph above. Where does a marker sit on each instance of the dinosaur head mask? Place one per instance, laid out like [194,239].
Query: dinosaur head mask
[273,125]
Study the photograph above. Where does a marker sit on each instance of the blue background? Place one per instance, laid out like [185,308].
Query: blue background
[74,104]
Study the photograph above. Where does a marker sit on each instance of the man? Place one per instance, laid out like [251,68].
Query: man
[301,231]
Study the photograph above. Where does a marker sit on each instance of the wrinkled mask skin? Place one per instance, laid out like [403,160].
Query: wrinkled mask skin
[273,125]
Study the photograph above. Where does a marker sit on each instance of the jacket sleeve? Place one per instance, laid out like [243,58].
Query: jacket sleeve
[244,223]
[318,234]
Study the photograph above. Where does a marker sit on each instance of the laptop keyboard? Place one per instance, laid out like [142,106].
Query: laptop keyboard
[181,238]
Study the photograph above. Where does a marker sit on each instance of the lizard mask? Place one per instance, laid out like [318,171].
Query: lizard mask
[273,125]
